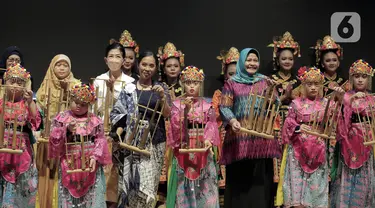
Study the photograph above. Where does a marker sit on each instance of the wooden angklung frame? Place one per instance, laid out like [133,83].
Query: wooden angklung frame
[9,127]
[192,131]
[325,127]
[62,105]
[261,120]
[142,127]
[367,123]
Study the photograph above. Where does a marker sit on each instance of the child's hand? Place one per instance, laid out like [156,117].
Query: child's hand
[92,164]
[72,126]
[64,84]
[28,96]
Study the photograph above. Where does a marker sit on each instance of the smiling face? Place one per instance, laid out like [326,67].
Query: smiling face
[286,60]
[252,63]
[147,67]
[129,59]
[114,60]
[12,60]
[330,62]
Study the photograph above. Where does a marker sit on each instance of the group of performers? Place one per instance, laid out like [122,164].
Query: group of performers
[129,140]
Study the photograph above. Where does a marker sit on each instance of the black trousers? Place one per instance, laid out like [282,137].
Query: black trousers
[249,183]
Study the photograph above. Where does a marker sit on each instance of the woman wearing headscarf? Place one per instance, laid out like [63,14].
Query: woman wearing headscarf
[248,159]
[12,55]
[58,76]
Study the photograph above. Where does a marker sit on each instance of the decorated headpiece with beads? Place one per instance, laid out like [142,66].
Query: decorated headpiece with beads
[361,67]
[170,51]
[285,42]
[192,73]
[228,57]
[311,74]
[327,44]
[17,71]
[84,93]
[127,41]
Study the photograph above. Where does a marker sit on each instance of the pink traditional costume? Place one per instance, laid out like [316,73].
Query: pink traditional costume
[354,184]
[193,175]
[306,172]
[18,181]
[83,189]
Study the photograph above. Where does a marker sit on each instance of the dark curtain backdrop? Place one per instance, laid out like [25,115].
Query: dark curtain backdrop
[81,29]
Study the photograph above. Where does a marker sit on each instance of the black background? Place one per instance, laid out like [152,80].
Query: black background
[81,29]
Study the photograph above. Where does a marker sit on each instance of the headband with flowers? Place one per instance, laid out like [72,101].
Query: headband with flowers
[17,71]
[169,51]
[192,73]
[311,74]
[361,67]
[84,93]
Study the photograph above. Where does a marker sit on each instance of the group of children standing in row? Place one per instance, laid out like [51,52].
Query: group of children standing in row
[98,154]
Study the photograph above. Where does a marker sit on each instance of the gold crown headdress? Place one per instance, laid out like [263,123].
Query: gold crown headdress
[17,71]
[227,57]
[127,41]
[192,73]
[84,93]
[169,51]
[284,42]
[361,67]
[327,44]
[311,74]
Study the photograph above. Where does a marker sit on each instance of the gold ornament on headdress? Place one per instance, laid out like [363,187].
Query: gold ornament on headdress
[84,93]
[17,71]
[311,74]
[192,73]
[227,57]
[286,41]
[169,51]
[361,67]
[327,44]
[127,41]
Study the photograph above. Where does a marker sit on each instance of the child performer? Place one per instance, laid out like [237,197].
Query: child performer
[83,189]
[305,182]
[354,184]
[18,181]
[194,174]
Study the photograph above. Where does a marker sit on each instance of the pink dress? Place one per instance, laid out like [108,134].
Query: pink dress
[86,189]
[196,172]
[306,171]
[354,185]
[18,171]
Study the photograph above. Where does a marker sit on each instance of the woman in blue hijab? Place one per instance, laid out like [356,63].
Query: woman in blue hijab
[248,159]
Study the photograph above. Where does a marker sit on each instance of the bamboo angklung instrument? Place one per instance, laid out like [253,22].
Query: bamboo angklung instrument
[261,118]
[141,127]
[367,122]
[197,130]
[324,127]
[9,127]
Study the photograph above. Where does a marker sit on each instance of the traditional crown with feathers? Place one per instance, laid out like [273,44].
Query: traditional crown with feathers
[327,44]
[127,41]
[286,41]
[227,57]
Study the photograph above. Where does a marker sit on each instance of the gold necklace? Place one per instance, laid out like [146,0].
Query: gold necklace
[283,76]
[330,78]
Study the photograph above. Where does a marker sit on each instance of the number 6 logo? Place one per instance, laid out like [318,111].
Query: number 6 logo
[346,27]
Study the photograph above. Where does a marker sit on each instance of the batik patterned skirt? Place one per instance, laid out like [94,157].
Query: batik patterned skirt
[301,188]
[21,194]
[354,188]
[95,197]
